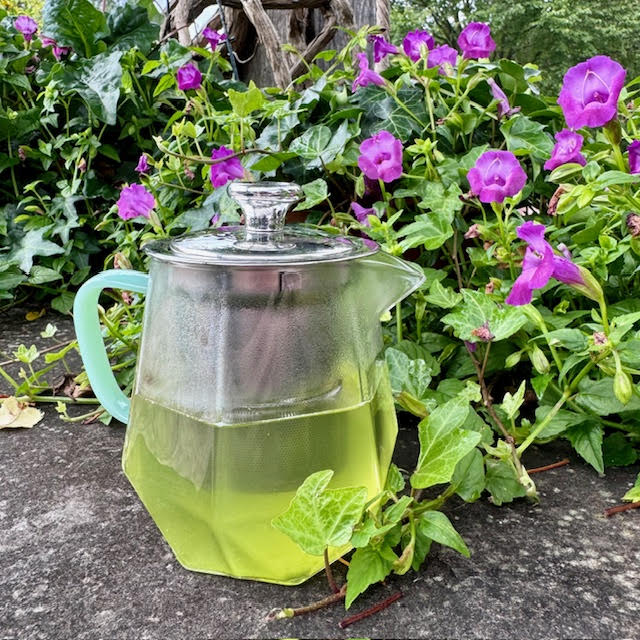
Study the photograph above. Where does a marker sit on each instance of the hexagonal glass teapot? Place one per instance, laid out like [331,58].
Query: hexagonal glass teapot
[259,364]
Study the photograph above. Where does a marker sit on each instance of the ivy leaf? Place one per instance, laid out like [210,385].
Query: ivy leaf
[431,230]
[502,482]
[477,310]
[368,529]
[443,443]
[443,297]
[97,80]
[586,439]
[318,517]
[74,23]
[435,525]
[314,193]
[524,136]
[413,376]
[368,566]
[243,103]
[633,495]
[312,142]
[468,477]
[30,244]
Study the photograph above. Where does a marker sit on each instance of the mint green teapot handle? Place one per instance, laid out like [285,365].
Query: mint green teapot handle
[92,349]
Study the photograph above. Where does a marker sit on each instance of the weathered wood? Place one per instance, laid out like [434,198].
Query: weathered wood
[316,45]
[269,38]
[281,4]
[383,21]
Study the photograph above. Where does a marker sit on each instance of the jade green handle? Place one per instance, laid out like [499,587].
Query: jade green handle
[92,349]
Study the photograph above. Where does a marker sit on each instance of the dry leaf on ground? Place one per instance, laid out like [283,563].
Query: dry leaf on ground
[18,414]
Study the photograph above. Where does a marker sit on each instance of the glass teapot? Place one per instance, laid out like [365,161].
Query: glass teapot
[259,364]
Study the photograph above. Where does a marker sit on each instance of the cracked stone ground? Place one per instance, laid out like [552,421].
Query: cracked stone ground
[80,557]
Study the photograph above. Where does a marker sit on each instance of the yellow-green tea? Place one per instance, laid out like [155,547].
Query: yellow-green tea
[213,490]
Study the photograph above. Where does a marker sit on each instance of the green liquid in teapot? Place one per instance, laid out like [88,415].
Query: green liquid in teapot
[214,489]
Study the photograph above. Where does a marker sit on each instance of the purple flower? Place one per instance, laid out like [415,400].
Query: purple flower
[442,57]
[135,201]
[475,40]
[57,51]
[143,164]
[26,26]
[213,37]
[381,157]
[414,41]
[634,156]
[539,265]
[189,77]
[215,219]
[363,213]
[496,175]
[227,170]
[381,48]
[366,76]
[590,90]
[504,108]
[566,149]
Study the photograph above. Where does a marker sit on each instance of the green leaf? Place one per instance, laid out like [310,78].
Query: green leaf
[559,423]
[246,102]
[319,517]
[130,27]
[443,443]
[435,525]
[193,219]
[30,244]
[429,229]
[312,142]
[167,81]
[368,529]
[477,310]
[617,451]
[40,275]
[609,178]
[468,477]
[443,297]
[502,482]
[421,550]
[586,439]
[74,23]
[64,302]
[599,398]
[97,81]
[633,495]
[540,384]
[511,403]
[314,193]
[524,136]
[272,161]
[413,376]
[10,277]
[572,339]
[434,196]
[394,513]
[368,566]
[395,480]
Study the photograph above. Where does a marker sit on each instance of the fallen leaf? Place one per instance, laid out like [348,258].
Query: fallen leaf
[34,315]
[18,414]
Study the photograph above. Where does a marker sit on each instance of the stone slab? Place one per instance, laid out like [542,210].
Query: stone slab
[80,558]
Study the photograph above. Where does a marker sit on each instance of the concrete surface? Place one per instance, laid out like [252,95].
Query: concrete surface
[80,558]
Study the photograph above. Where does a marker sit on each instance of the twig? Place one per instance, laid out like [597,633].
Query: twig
[310,608]
[555,465]
[369,612]
[619,509]
[327,569]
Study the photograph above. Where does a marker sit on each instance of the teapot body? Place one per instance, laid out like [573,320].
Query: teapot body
[248,380]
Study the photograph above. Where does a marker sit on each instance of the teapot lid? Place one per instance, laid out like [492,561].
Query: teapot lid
[264,239]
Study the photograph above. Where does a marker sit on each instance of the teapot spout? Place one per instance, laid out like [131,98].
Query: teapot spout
[389,279]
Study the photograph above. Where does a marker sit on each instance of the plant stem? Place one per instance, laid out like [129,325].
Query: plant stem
[58,399]
[399,321]
[623,507]
[314,606]
[327,569]
[369,612]
[548,467]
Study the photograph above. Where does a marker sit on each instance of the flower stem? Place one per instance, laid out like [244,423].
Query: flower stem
[399,321]
[327,569]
